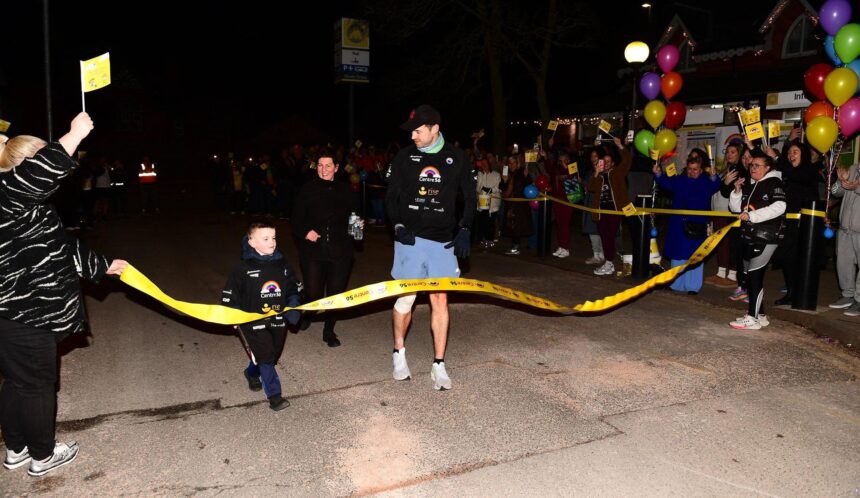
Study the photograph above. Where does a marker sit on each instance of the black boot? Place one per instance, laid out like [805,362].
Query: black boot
[278,403]
[304,323]
[784,300]
[331,339]
[254,383]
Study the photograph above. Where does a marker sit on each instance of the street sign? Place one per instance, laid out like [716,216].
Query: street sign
[352,51]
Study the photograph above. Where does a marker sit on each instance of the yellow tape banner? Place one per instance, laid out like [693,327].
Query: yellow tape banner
[382,290]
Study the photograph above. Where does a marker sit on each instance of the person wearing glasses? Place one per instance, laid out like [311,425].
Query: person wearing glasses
[761,204]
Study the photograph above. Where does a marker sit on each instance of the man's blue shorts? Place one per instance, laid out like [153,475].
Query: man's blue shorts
[426,259]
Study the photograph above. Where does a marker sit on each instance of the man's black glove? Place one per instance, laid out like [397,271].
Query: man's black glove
[404,236]
[461,243]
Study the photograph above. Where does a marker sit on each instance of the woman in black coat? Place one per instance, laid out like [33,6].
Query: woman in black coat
[320,218]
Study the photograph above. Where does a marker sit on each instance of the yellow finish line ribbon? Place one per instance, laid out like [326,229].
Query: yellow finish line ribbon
[383,290]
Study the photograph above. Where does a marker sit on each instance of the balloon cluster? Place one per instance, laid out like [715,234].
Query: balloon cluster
[837,110]
[532,190]
[664,118]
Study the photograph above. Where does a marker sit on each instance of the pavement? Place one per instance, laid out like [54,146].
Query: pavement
[658,397]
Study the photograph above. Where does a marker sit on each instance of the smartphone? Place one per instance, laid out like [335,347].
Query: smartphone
[600,164]
[505,170]
[516,148]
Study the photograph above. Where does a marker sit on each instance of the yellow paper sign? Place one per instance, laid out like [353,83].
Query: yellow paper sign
[95,73]
[605,126]
[750,116]
[754,131]
[773,129]
[4,126]
[671,170]
[552,125]
[531,156]
[654,153]
[629,210]
[572,169]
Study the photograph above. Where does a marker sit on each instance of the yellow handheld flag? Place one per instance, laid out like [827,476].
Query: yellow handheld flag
[671,170]
[572,168]
[531,156]
[629,210]
[4,126]
[754,131]
[95,73]
[750,116]
[654,153]
[605,127]
[552,125]
[773,129]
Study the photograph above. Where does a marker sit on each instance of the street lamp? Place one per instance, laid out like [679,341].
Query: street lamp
[635,54]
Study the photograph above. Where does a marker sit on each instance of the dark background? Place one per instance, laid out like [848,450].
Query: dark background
[191,78]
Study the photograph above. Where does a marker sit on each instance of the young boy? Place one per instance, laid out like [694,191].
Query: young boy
[263,282]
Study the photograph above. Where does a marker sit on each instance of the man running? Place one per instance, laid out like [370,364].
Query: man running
[421,203]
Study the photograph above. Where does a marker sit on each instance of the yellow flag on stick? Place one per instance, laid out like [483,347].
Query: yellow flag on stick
[552,126]
[95,73]
[4,126]
[671,170]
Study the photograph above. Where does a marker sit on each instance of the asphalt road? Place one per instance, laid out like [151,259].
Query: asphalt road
[659,397]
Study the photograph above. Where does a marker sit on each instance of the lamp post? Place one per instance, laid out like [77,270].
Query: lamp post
[635,54]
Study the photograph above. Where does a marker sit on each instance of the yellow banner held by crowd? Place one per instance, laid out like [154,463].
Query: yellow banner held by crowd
[95,73]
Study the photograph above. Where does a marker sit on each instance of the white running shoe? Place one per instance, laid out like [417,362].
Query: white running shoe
[63,453]
[557,252]
[441,381]
[763,321]
[15,460]
[606,268]
[746,322]
[561,253]
[401,369]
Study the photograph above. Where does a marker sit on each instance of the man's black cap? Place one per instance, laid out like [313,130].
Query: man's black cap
[422,115]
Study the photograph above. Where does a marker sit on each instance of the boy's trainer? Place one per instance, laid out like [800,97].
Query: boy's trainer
[441,381]
[14,460]
[401,369]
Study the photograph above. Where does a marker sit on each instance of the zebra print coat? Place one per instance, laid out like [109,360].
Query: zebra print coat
[39,263]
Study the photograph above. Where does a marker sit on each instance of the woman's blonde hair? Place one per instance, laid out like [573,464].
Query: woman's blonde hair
[14,150]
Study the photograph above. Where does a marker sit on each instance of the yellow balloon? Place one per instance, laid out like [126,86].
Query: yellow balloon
[665,141]
[840,85]
[655,113]
[821,132]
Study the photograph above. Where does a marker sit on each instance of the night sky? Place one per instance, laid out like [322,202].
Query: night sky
[229,75]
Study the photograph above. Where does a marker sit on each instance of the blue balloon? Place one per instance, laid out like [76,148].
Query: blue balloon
[362,175]
[653,232]
[828,233]
[530,191]
[855,66]
[831,51]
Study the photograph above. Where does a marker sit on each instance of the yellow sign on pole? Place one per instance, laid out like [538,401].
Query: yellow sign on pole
[355,33]
[95,73]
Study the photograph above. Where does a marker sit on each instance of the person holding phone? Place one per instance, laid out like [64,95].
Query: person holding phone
[610,193]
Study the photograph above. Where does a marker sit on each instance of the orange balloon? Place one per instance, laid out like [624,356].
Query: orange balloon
[822,108]
[671,84]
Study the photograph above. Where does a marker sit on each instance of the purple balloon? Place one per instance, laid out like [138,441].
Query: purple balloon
[650,85]
[849,117]
[835,14]
[667,57]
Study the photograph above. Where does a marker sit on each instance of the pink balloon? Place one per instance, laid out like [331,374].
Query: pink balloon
[849,117]
[534,204]
[668,57]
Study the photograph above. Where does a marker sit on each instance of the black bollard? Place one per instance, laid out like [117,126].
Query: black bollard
[544,229]
[804,294]
[642,241]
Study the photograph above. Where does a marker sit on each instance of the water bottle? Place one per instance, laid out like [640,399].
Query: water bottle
[350,226]
[357,231]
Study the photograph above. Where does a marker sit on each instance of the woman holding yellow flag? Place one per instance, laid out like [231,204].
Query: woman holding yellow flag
[39,270]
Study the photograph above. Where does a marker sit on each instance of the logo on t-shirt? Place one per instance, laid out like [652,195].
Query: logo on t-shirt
[430,174]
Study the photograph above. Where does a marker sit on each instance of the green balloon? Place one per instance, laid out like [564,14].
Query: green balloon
[644,142]
[847,42]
